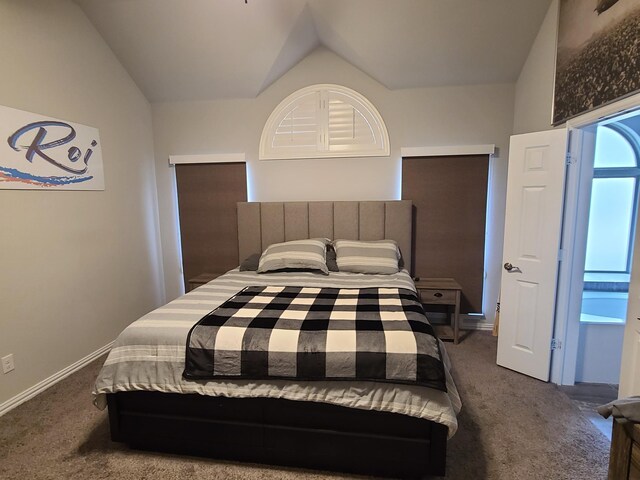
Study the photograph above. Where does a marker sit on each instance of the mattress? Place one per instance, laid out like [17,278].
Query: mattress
[149,355]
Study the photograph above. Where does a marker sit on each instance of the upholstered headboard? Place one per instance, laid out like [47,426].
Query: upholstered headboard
[262,224]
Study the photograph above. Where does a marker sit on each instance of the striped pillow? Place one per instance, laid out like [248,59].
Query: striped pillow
[297,254]
[379,256]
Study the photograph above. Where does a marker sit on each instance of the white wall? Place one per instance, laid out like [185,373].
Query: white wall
[414,117]
[75,267]
[534,88]
[599,353]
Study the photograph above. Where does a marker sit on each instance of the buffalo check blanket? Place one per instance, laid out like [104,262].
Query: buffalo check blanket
[313,333]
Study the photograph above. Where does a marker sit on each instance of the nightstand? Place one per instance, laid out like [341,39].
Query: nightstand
[201,279]
[442,291]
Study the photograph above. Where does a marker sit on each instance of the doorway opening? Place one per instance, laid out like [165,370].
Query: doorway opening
[604,236]
[598,238]
[610,232]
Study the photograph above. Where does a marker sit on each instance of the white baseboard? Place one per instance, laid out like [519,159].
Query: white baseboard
[52,380]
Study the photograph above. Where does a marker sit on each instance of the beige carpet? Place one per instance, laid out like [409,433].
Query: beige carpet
[512,427]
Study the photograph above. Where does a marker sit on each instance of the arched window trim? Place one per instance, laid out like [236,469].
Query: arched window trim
[323,147]
[630,136]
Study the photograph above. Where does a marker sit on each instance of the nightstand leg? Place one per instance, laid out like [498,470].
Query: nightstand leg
[456,319]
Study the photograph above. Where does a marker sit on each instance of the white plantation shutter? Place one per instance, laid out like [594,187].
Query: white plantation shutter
[349,128]
[324,121]
[299,128]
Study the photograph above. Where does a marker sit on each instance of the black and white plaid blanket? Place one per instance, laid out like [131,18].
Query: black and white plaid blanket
[305,333]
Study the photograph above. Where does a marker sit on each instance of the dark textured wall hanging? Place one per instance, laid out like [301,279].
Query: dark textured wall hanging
[598,56]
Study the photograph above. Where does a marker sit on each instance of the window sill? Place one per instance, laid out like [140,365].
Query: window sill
[585,318]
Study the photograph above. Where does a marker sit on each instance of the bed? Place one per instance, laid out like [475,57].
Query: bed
[360,426]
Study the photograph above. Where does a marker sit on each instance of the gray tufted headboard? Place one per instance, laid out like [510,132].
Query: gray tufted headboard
[262,224]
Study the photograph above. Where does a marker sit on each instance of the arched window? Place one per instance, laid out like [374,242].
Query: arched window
[614,195]
[324,121]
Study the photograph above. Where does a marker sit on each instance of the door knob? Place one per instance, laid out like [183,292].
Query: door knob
[508,267]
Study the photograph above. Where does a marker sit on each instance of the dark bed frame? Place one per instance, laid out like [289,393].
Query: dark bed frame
[285,432]
[280,432]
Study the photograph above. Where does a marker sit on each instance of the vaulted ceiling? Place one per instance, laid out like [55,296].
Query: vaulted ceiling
[179,50]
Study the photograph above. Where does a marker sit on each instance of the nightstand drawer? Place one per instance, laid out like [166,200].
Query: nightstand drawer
[432,295]
[442,291]
[201,279]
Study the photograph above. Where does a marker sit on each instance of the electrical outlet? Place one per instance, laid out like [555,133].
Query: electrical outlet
[7,363]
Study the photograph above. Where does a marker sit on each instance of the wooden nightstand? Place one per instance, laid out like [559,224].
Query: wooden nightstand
[624,460]
[442,291]
[201,279]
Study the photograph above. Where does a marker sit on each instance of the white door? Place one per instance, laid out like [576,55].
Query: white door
[630,369]
[535,191]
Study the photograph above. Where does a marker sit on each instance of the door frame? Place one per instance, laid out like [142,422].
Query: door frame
[572,255]
[581,131]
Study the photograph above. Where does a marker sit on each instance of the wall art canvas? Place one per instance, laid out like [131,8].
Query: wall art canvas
[44,153]
[598,56]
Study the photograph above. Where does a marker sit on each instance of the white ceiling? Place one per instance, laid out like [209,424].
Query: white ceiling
[207,49]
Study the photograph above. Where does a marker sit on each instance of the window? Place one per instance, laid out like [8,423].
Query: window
[324,121]
[614,196]
[612,224]
[207,197]
[449,230]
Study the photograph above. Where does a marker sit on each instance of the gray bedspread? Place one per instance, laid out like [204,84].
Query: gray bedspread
[149,355]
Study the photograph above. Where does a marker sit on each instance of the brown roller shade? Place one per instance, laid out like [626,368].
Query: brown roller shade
[449,195]
[207,196]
